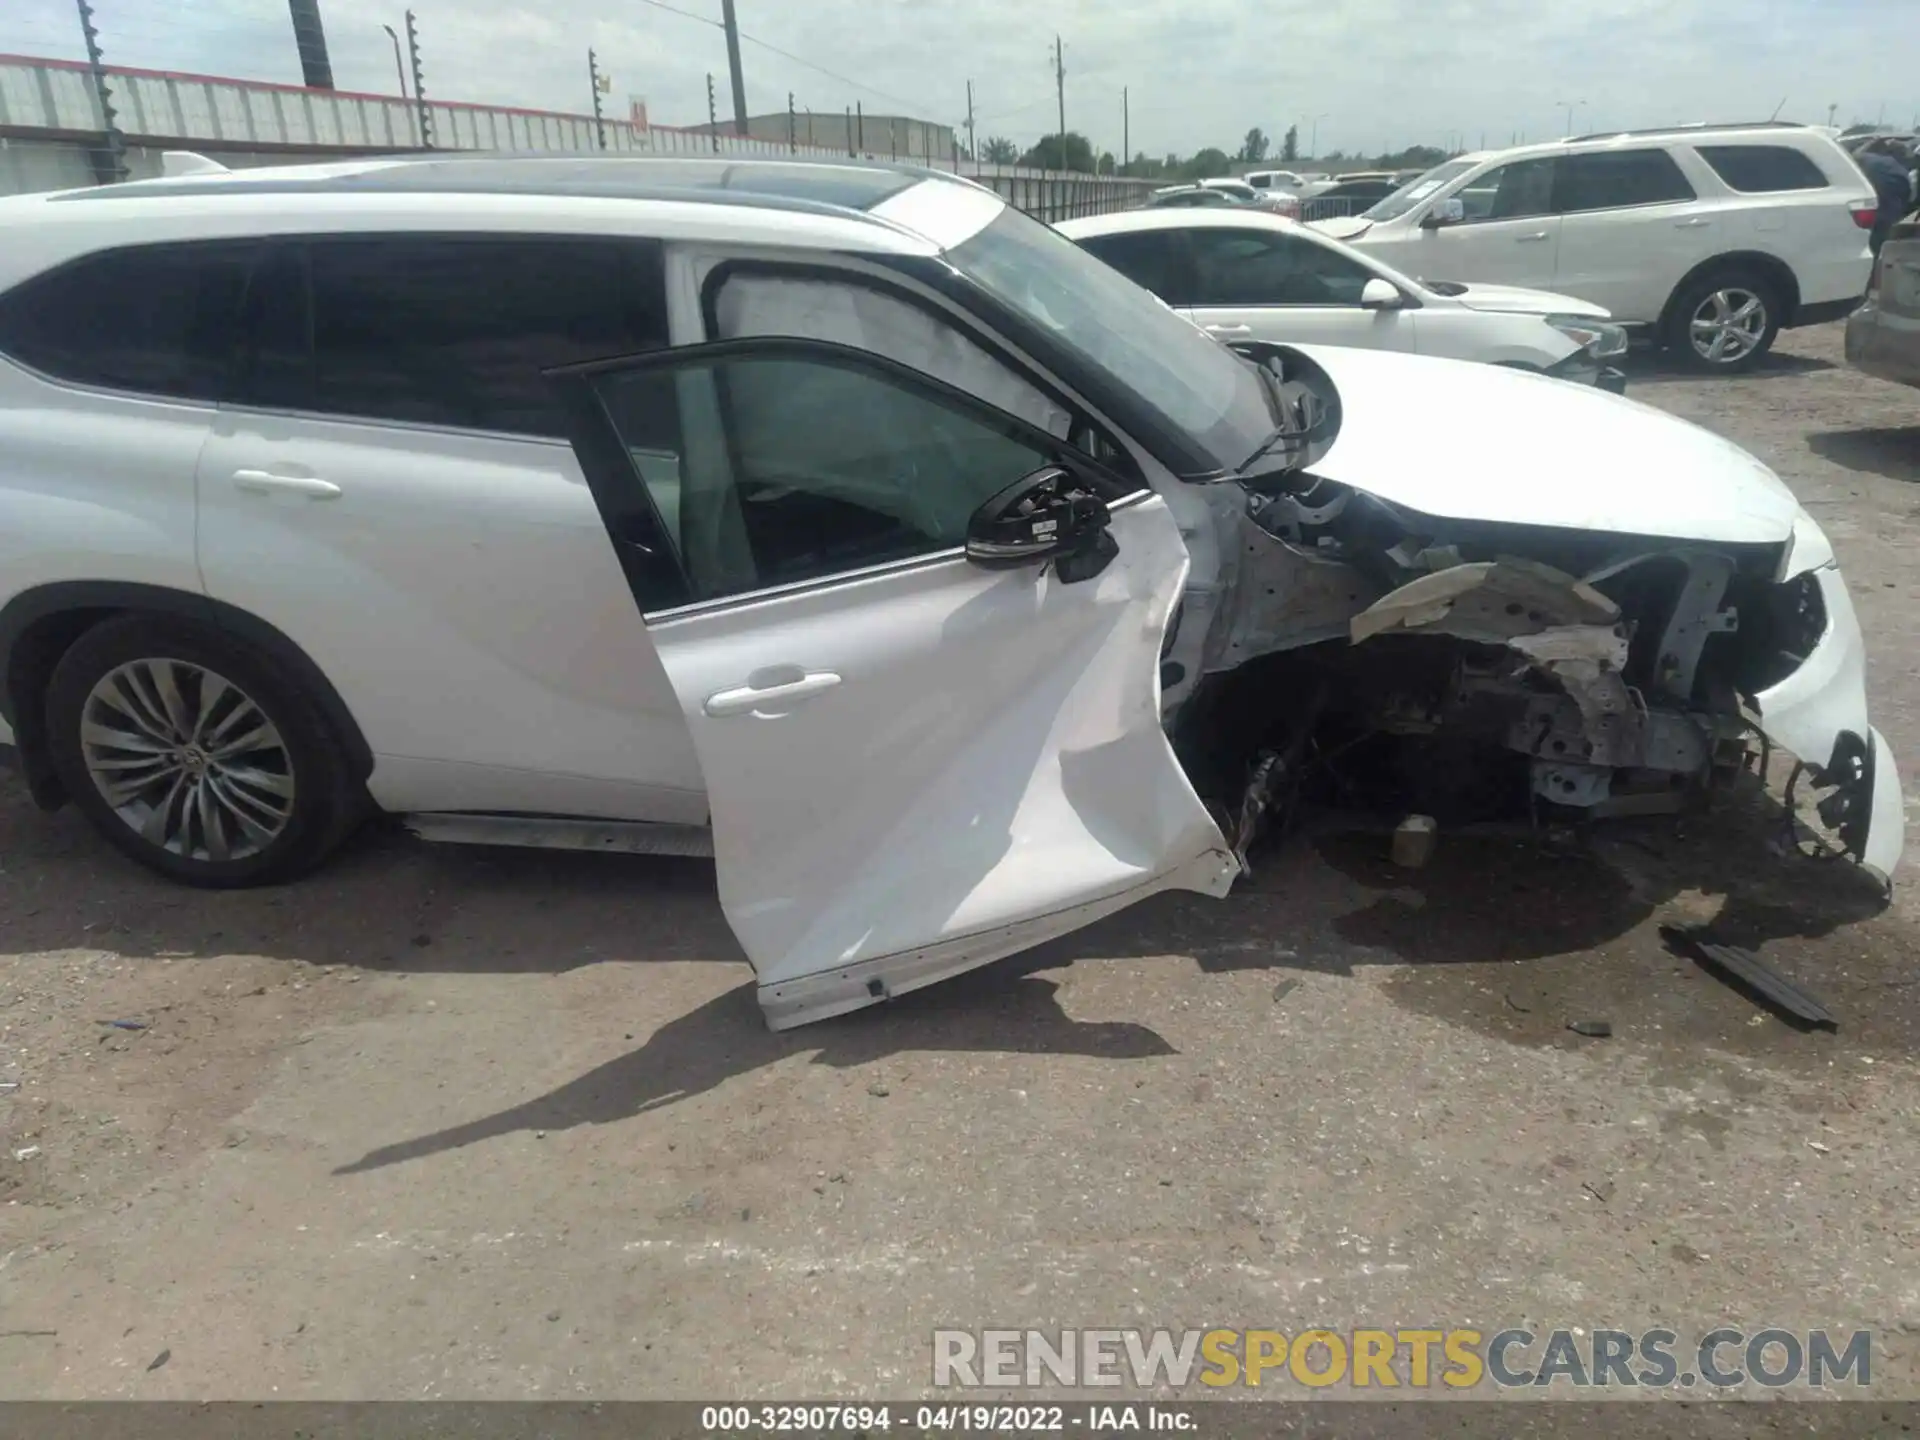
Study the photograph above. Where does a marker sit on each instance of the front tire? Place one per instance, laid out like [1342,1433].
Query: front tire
[1724,321]
[195,755]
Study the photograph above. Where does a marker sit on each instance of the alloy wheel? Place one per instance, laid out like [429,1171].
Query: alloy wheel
[1728,326]
[187,760]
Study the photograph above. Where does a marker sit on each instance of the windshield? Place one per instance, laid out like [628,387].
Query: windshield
[1144,354]
[1418,190]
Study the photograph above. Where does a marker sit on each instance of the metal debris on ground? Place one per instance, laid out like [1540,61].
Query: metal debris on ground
[124,1024]
[1285,988]
[1413,841]
[1592,1029]
[1748,972]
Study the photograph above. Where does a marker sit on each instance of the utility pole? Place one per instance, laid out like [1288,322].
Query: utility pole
[1832,110]
[793,134]
[972,149]
[860,127]
[311,41]
[600,83]
[110,159]
[733,68]
[849,130]
[1126,133]
[1060,93]
[419,85]
[713,116]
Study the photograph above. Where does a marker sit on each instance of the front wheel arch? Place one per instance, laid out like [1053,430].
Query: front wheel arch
[39,626]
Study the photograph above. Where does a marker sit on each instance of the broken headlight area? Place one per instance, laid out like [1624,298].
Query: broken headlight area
[1369,658]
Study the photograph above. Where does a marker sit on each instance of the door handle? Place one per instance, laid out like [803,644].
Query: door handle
[1531,239]
[1693,224]
[1229,329]
[793,684]
[265,482]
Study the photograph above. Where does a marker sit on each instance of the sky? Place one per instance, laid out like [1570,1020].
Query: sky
[1368,75]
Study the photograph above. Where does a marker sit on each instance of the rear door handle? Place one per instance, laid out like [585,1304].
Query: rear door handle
[1693,224]
[779,685]
[1229,329]
[265,482]
[1530,239]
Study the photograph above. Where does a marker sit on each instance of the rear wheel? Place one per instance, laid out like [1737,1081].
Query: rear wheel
[193,754]
[1724,321]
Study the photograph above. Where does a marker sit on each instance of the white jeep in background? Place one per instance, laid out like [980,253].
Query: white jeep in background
[1714,239]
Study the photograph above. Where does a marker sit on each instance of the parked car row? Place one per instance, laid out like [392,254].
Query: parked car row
[842,522]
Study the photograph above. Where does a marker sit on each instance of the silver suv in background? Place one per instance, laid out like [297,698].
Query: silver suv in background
[1883,335]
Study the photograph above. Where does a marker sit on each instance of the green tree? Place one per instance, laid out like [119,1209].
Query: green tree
[1206,163]
[1290,147]
[1051,154]
[1106,162]
[1254,148]
[999,150]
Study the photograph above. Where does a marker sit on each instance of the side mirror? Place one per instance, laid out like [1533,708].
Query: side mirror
[1049,515]
[1378,294]
[1444,212]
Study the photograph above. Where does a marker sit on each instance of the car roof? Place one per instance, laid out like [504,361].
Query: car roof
[1748,132]
[868,206]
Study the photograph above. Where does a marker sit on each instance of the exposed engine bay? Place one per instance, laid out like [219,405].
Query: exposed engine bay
[1365,656]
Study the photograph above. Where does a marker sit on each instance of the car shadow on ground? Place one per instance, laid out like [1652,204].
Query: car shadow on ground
[1485,898]
[1893,452]
[1649,362]
[1000,1010]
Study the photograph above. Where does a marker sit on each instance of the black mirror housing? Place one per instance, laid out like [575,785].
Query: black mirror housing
[1047,515]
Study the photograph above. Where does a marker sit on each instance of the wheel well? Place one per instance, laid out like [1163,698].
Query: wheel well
[1775,269]
[39,626]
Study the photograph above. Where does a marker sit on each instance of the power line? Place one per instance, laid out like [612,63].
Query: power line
[784,54]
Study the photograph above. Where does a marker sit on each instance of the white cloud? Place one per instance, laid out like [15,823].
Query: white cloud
[1383,73]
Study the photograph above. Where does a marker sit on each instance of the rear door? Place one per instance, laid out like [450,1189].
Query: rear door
[914,765]
[1630,229]
[1269,284]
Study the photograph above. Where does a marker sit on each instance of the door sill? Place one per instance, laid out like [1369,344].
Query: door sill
[554,832]
[820,996]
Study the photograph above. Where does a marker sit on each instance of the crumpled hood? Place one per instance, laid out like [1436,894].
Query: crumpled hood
[1512,299]
[1462,441]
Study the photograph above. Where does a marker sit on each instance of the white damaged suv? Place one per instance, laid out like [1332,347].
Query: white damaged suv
[948,587]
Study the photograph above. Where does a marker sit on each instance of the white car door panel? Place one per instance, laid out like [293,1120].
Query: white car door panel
[1509,234]
[1284,287]
[455,586]
[914,765]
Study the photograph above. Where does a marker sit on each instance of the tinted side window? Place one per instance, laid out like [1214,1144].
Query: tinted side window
[1259,267]
[755,491]
[1153,259]
[1618,179]
[1518,191]
[1762,169]
[457,331]
[157,319]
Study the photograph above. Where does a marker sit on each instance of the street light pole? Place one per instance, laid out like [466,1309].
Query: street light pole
[399,66]
[1314,143]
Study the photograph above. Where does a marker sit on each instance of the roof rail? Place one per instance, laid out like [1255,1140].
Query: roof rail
[1690,126]
[188,162]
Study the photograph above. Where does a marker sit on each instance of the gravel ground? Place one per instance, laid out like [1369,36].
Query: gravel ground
[480,1124]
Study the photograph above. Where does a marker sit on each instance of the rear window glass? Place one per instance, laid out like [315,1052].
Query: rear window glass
[154,319]
[1612,180]
[1761,169]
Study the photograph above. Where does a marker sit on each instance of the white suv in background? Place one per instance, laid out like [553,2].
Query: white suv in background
[1244,276]
[1715,239]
